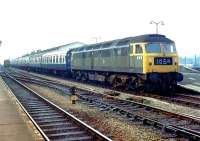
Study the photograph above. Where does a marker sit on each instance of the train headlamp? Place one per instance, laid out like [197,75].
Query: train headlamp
[175,61]
[150,61]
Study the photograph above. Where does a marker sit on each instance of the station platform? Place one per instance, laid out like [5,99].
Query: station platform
[12,125]
[191,79]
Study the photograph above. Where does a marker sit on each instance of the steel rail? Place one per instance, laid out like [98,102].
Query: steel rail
[180,131]
[96,134]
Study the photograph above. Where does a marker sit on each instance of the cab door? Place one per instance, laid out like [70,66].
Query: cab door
[136,58]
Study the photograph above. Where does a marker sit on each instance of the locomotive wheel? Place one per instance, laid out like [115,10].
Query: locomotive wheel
[84,78]
[149,87]
[165,89]
[77,76]
[116,83]
[128,84]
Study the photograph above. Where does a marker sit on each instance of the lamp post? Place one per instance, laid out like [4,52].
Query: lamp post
[157,23]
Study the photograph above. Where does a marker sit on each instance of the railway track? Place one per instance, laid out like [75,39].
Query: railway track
[183,96]
[179,99]
[176,125]
[52,122]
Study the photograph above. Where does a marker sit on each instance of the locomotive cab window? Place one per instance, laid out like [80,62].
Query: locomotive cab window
[138,49]
[153,48]
[168,48]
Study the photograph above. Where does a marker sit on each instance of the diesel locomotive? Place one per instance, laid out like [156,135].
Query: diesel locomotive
[147,61]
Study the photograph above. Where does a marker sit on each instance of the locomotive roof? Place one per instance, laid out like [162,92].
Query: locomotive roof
[151,38]
[126,41]
[142,38]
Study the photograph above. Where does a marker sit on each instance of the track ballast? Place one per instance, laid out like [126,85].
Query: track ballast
[52,122]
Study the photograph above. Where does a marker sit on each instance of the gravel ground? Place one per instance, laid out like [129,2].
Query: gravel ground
[149,101]
[107,123]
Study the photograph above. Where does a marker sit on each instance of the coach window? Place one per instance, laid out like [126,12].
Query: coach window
[60,59]
[138,49]
[49,59]
[54,58]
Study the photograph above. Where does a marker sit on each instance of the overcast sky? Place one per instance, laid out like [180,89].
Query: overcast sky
[27,25]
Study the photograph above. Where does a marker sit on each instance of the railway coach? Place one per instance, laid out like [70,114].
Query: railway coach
[52,60]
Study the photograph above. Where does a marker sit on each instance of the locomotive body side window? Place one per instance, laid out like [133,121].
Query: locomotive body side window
[105,53]
[124,51]
[117,52]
